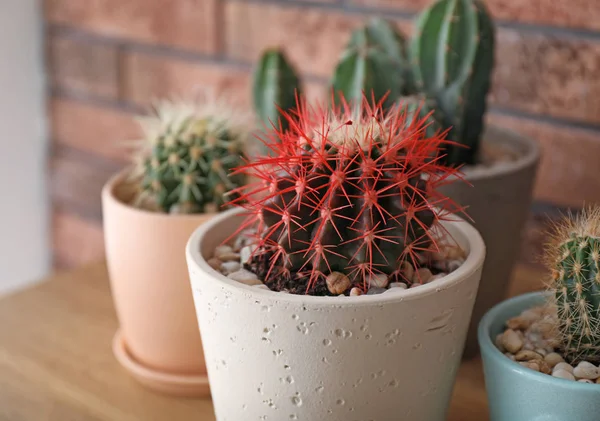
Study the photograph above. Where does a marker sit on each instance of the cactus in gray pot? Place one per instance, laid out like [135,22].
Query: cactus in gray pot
[275,88]
[373,63]
[452,56]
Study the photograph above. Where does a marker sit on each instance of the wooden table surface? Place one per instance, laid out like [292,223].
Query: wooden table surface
[56,362]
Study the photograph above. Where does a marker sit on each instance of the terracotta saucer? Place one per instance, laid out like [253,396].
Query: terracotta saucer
[158,381]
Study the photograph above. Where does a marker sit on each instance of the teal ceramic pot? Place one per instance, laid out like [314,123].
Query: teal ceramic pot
[516,393]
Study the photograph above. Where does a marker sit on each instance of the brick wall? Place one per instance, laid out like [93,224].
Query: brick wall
[107,59]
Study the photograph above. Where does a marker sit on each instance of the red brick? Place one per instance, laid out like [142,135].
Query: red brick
[75,240]
[187,24]
[569,174]
[150,77]
[97,130]
[584,14]
[88,68]
[77,178]
[313,38]
[548,75]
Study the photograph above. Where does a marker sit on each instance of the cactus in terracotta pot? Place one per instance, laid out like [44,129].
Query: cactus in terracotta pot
[184,161]
[574,257]
[349,190]
[275,88]
[452,54]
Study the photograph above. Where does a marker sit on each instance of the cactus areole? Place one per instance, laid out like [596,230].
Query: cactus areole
[574,258]
[349,190]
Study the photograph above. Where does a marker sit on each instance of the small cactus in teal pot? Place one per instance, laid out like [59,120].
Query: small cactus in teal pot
[452,56]
[275,88]
[185,159]
[574,258]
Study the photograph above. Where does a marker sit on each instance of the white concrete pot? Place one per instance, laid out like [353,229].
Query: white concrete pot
[498,202]
[276,356]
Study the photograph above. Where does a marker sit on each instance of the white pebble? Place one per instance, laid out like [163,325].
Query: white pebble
[553,359]
[401,285]
[585,381]
[407,271]
[337,283]
[379,281]
[375,290]
[245,254]
[563,366]
[437,276]
[355,292]
[262,286]
[230,267]
[452,265]
[511,341]
[454,252]
[245,277]
[422,276]
[223,250]
[214,263]
[563,374]
[586,370]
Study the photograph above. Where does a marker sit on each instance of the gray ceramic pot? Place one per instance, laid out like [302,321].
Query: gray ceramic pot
[516,393]
[498,202]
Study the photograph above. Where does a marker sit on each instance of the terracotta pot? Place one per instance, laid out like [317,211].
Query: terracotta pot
[158,341]
[281,356]
[498,202]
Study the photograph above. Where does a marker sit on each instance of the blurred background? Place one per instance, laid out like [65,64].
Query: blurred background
[75,73]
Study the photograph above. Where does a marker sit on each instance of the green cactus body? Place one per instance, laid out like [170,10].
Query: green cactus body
[373,63]
[347,193]
[276,84]
[418,109]
[191,152]
[577,292]
[452,54]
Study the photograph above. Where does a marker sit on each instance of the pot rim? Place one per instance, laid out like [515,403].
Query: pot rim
[529,159]
[473,263]
[109,196]
[497,357]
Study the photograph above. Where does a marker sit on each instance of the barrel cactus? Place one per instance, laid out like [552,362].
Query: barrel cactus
[275,88]
[184,160]
[574,258]
[347,190]
[374,64]
[452,54]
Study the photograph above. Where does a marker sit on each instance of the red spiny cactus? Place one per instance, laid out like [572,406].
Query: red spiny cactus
[350,190]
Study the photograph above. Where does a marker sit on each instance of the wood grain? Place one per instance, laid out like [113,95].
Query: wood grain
[56,362]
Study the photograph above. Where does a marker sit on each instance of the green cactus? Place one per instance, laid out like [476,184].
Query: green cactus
[275,84]
[574,258]
[418,108]
[186,156]
[373,63]
[452,54]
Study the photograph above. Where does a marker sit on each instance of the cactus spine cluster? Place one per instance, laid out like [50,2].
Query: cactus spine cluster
[275,88]
[347,190]
[574,258]
[452,53]
[447,65]
[184,161]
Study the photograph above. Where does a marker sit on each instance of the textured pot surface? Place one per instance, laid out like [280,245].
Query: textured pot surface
[516,393]
[277,356]
[145,254]
[499,202]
